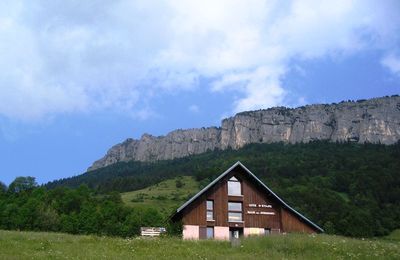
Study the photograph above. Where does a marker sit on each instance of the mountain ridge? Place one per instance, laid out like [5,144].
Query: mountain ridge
[375,120]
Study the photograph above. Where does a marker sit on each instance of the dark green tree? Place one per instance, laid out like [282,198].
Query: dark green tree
[22,184]
[3,188]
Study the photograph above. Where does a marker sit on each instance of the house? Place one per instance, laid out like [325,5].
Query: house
[235,204]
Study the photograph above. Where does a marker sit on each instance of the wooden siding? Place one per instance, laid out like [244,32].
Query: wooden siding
[252,193]
[291,223]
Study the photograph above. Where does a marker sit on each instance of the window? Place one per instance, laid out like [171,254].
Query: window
[234,187]
[210,216]
[235,216]
[210,232]
[210,205]
[234,206]
[235,211]
[210,210]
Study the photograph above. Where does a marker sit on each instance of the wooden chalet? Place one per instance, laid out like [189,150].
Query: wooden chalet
[237,204]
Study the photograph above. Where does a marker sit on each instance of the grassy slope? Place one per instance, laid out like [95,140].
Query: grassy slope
[164,196]
[31,245]
[394,236]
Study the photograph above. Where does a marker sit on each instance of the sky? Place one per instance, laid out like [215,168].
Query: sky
[77,77]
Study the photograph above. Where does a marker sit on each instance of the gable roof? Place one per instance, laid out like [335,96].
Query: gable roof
[265,187]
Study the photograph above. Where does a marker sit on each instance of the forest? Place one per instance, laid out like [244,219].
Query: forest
[346,188]
[26,206]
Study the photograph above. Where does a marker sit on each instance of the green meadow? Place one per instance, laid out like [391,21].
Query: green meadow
[165,196]
[37,245]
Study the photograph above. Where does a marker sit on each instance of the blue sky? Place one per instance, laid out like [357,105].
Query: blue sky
[77,77]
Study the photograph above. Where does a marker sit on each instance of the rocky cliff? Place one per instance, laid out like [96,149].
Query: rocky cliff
[375,121]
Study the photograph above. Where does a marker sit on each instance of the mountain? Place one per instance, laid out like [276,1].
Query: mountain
[375,120]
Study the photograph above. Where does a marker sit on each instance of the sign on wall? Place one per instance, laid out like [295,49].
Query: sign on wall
[253,205]
[259,209]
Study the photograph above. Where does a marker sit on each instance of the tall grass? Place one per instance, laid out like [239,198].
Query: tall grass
[31,245]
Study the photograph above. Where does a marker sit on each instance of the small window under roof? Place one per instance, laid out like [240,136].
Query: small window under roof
[234,187]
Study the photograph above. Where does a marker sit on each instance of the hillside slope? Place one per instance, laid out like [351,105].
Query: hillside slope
[374,121]
[165,196]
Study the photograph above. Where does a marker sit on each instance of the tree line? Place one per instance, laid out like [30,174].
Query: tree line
[26,206]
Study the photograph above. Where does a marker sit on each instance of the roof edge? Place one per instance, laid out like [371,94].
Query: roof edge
[238,163]
[208,186]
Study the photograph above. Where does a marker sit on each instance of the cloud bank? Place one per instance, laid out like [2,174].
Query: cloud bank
[82,56]
[392,62]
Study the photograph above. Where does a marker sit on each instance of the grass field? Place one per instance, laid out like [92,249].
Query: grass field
[165,196]
[32,245]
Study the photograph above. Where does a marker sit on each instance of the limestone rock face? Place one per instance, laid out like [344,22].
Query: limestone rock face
[374,121]
[178,143]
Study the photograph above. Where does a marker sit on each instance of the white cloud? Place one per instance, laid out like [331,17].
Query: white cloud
[145,113]
[392,62]
[194,109]
[260,87]
[82,56]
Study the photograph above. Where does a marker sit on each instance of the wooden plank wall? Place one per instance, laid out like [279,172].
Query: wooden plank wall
[254,195]
[195,214]
[291,223]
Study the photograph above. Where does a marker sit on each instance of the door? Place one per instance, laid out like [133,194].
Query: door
[235,233]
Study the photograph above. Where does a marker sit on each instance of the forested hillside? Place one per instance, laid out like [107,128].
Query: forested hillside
[346,188]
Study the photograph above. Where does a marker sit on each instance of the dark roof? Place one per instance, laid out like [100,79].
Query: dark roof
[262,185]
